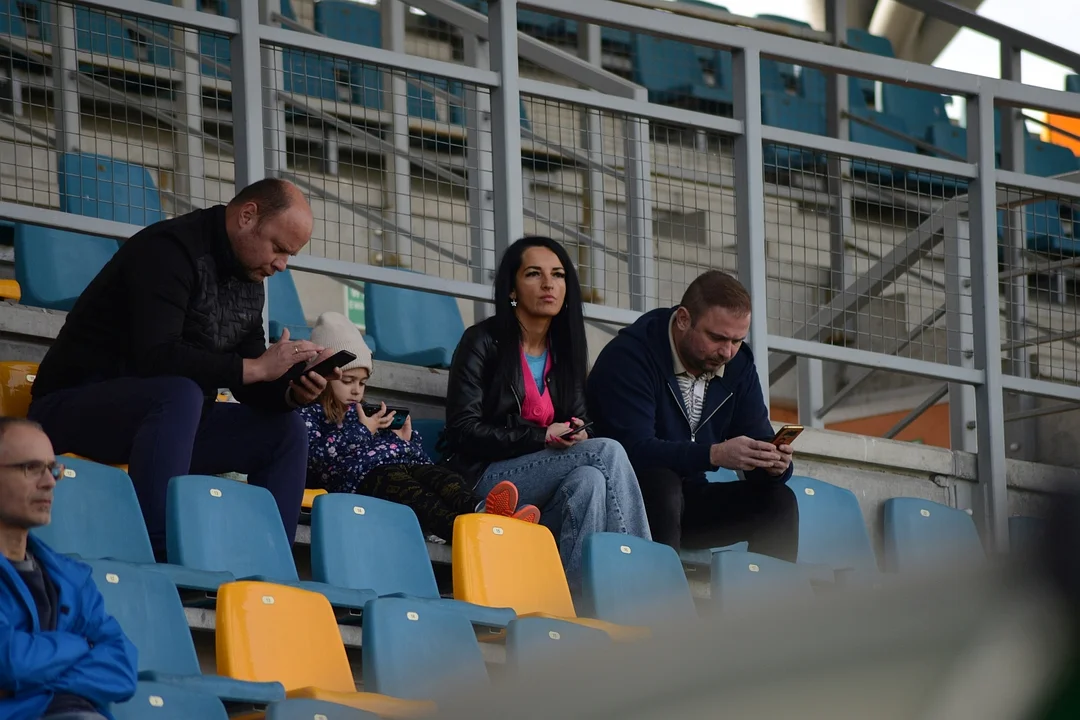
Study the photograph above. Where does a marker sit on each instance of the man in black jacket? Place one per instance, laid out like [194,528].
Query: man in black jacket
[679,390]
[172,318]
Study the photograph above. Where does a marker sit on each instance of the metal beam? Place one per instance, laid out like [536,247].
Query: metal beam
[1041,388]
[170,14]
[506,124]
[1043,411]
[65,74]
[933,399]
[396,248]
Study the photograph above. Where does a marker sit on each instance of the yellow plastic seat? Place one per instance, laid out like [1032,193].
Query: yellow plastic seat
[10,290]
[268,632]
[16,379]
[503,562]
[309,497]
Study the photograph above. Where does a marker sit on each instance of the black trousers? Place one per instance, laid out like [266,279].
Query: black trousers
[706,515]
[437,495]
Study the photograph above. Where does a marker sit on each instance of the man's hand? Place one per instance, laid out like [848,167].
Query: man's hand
[744,453]
[405,431]
[308,387]
[278,359]
[780,467]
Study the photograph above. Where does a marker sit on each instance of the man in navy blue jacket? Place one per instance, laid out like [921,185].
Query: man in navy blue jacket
[62,657]
[679,390]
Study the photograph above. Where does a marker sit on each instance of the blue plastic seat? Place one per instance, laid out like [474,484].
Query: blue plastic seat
[310,74]
[148,608]
[429,430]
[411,326]
[96,515]
[923,534]
[862,133]
[863,41]
[169,702]
[743,580]
[534,642]
[919,108]
[417,651]
[832,530]
[1072,83]
[11,19]
[672,73]
[722,475]
[101,187]
[305,709]
[285,308]
[791,112]
[53,267]
[1043,219]
[632,581]
[224,525]
[776,75]
[362,542]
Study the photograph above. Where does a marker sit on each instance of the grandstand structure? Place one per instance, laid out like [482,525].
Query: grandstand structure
[906,268]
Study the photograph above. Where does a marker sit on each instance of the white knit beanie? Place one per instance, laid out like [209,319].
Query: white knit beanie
[335,331]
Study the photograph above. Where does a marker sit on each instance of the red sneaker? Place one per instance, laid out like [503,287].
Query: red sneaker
[502,500]
[528,513]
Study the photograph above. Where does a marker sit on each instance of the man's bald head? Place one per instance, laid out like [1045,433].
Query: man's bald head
[268,222]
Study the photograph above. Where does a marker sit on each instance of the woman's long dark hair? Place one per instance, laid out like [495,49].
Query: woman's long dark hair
[566,337]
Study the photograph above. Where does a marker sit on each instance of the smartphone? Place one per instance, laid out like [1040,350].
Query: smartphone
[786,435]
[325,368]
[400,414]
[575,431]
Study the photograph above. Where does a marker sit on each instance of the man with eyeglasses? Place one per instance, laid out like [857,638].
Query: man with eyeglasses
[62,657]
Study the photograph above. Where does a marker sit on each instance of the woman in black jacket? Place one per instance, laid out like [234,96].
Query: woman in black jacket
[515,406]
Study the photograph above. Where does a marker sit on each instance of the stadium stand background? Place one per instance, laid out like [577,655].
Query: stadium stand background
[417,157]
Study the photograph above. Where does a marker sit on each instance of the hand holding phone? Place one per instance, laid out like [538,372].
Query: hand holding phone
[786,435]
[574,431]
[400,414]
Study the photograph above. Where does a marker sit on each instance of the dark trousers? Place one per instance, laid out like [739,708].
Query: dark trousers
[437,495]
[707,515]
[163,427]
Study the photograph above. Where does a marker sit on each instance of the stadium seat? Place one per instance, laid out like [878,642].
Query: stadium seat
[9,289]
[875,45]
[53,267]
[211,523]
[832,531]
[532,642]
[274,633]
[161,701]
[919,108]
[791,112]
[671,72]
[1043,219]
[309,497]
[300,709]
[886,174]
[16,380]
[921,534]
[1027,535]
[778,76]
[419,651]
[743,580]
[411,326]
[96,515]
[148,608]
[632,581]
[109,189]
[430,429]
[503,562]
[285,308]
[363,542]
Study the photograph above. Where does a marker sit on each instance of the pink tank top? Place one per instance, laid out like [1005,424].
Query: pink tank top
[536,407]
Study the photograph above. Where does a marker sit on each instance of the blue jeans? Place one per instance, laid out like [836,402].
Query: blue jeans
[585,489]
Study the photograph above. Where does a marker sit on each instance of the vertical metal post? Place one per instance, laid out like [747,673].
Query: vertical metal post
[247,101]
[959,332]
[750,204]
[506,124]
[273,82]
[592,141]
[991,508]
[1013,137]
[188,151]
[480,179]
[639,209]
[65,79]
[811,394]
[396,246]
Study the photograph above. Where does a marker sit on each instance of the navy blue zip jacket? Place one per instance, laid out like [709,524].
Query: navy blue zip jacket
[633,398]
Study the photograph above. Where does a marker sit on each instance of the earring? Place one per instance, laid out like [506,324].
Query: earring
[513,302]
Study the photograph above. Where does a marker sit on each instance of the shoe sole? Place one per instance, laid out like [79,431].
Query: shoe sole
[502,500]
[528,513]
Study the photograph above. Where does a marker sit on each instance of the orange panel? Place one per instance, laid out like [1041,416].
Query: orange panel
[309,497]
[503,562]
[1068,124]
[16,379]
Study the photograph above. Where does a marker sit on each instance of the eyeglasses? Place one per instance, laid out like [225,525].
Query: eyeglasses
[34,469]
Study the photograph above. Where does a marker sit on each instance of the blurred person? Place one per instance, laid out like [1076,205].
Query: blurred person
[62,657]
[351,451]
[680,391]
[174,316]
[515,406]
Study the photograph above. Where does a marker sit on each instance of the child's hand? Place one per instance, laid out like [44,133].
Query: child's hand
[405,431]
[379,420]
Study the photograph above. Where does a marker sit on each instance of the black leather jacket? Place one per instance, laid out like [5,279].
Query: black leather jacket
[483,420]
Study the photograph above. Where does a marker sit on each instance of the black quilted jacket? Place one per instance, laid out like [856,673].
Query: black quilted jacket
[172,301]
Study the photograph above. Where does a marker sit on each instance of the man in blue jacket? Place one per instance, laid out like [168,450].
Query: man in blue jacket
[61,656]
[679,390]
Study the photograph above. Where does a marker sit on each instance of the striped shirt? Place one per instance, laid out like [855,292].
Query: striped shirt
[692,388]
